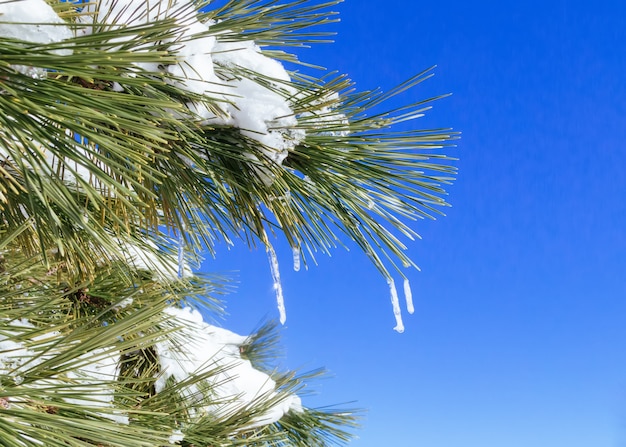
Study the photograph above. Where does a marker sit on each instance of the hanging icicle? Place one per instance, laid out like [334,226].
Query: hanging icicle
[296,258]
[408,295]
[278,287]
[181,254]
[396,306]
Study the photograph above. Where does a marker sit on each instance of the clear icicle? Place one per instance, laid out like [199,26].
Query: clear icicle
[408,295]
[181,254]
[278,287]
[396,306]
[296,259]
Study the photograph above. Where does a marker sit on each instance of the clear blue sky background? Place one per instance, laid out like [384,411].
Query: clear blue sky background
[518,335]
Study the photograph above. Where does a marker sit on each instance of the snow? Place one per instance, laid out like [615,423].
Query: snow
[260,107]
[243,88]
[98,371]
[98,374]
[237,385]
[177,436]
[262,114]
[49,27]
[14,355]
[195,348]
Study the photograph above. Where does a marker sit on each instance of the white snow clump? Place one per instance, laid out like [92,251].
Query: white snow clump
[261,110]
[261,113]
[40,25]
[98,371]
[237,385]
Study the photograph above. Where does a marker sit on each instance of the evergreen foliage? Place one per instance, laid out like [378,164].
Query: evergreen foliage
[107,172]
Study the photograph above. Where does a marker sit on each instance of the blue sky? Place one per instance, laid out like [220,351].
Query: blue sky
[517,339]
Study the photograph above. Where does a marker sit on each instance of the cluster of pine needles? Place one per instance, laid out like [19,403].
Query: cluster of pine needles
[155,171]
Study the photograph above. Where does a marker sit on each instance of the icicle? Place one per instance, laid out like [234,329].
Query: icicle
[278,287]
[296,259]
[408,295]
[396,306]
[181,254]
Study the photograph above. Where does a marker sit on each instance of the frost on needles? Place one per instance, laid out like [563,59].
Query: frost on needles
[136,134]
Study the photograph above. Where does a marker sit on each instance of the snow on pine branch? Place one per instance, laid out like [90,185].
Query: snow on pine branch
[95,377]
[262,113]
[261,110]
[39,24]
[236,384]
[233,383]
[239,86]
